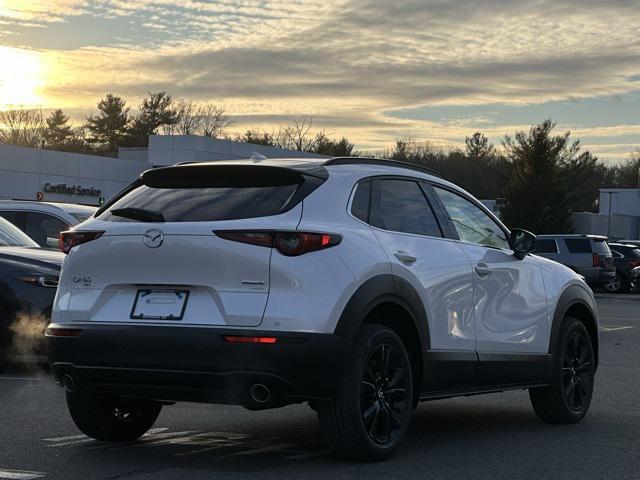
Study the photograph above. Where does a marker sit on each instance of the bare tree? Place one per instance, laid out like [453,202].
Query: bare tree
[188,121]
[297,136]
[193,119]
[22,127]
[213,120]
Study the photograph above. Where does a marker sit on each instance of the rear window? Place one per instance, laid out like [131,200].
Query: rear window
[204,204]
[600,246]
[578,245]
[546,245]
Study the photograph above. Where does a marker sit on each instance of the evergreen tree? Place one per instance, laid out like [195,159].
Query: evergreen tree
[155,111]
[108,127]
[57,132]
[537,193]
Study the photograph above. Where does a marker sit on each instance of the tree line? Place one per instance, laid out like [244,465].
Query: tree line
[114,126]
[541,175]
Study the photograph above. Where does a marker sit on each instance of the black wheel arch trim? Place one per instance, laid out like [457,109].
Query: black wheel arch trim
[385,288]
[572,295]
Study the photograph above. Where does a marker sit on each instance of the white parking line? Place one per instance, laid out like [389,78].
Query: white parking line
[612,328]
[20,475]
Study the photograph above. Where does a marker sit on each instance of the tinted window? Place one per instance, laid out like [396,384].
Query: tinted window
[14,217]
[12,236]
[471,223]
[400,206]
[44,229]
[546,245]
[205,204]
[578,245]
[360,204]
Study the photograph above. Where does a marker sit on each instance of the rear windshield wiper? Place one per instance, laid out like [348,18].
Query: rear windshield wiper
[141,214]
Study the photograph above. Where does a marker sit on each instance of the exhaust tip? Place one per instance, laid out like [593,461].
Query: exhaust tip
[68,383]
[259,393]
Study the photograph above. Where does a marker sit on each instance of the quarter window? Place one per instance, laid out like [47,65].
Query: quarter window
[472,224]
[360,204]
[400,206]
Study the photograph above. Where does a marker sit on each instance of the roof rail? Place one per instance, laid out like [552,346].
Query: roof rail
[383,162]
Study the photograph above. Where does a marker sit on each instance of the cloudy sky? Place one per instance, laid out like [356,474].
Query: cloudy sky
[372,70]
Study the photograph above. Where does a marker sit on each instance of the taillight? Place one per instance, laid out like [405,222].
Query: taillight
[596,260]
[290,244]
[634,263]
[70,239]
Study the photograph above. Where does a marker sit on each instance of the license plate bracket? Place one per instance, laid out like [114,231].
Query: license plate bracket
[159,304]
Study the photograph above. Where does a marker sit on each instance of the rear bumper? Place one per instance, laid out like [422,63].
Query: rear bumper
[196,364]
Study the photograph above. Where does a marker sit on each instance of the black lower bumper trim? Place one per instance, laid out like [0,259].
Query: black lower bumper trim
[196,364]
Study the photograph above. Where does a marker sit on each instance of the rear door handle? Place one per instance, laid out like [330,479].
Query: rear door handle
[404,257]
[482,269]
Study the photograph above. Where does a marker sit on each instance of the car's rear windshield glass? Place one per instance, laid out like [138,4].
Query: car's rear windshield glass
[600,246]
[200,204]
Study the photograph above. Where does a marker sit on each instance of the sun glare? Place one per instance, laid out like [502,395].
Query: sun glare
[21,77]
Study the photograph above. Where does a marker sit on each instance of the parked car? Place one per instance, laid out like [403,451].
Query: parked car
[43,221]
[361,286]
[625,257]
[28,280]
[587,255]
[635,279]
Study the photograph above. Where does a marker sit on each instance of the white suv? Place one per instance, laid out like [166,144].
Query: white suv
[361,286]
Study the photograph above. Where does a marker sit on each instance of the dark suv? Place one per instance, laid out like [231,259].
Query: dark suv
[587,255]
[626,257]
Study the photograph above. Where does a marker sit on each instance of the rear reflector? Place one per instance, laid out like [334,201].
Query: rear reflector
[62,332]
[242,339]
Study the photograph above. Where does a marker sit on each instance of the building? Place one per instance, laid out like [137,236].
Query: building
[622,221]
[39,174]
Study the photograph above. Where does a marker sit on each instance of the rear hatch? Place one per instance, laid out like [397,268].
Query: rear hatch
[603,252]
[159,261]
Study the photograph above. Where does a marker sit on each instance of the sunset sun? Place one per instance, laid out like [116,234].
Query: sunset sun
[20,77]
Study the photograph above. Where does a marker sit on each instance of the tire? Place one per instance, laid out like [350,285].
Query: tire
[111,419]
[370,413]
[567,398]
[616,284]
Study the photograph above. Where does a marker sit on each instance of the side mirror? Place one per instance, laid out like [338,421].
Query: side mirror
[522,242]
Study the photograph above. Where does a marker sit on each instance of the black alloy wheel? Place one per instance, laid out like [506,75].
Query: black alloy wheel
[577,372]
[383,394]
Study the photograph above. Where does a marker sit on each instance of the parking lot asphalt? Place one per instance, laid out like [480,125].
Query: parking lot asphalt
[491,436]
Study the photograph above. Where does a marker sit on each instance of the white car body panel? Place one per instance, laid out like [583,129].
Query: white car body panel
[510,312]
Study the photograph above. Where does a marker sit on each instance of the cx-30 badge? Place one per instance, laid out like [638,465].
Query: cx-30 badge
[153,238]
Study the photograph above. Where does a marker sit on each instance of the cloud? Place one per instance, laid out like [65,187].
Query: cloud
[347,62]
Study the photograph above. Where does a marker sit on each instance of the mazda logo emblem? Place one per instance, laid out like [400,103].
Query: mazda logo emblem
[153,238]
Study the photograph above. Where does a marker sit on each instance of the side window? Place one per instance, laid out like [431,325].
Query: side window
[360,204]
[400,206]
[17,218]
[472,224]
[578,245]
[44,229]
[546,245]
